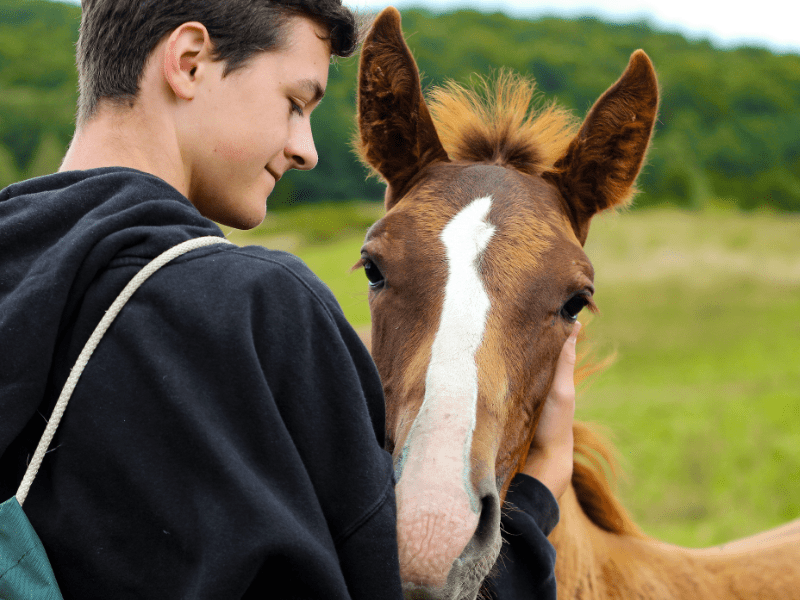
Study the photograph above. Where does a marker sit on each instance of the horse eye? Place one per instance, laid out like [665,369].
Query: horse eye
[573,306]
[374,274]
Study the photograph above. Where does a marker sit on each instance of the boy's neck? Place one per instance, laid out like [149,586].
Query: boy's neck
[122,136]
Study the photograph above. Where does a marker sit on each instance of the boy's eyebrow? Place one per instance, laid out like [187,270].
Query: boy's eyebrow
[312,87]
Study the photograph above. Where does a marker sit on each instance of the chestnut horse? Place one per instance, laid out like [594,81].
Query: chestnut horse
[477,274]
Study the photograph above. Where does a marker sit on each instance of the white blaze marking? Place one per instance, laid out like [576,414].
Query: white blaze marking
[437,452]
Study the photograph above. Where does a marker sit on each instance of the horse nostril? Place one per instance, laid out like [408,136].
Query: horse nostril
[487,534]
[489,520]
[480,554]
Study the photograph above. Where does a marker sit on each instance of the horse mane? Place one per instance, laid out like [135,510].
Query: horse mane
[594,468]
[499,121]
[592,476]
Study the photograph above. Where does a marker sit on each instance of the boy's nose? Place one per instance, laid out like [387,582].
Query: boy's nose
[300,149]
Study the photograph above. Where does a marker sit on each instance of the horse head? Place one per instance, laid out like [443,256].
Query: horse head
[477,273]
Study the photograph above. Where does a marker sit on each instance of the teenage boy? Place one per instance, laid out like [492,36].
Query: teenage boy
[226,437]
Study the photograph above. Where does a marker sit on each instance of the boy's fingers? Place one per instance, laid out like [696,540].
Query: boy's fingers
[568,351]
[551,454]
[563,384]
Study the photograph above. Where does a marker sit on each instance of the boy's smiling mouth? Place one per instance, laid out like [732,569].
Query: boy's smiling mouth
[275,175]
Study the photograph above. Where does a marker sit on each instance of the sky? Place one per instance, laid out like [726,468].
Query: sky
[773,24]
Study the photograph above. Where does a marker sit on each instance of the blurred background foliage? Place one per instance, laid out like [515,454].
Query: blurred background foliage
[729,125]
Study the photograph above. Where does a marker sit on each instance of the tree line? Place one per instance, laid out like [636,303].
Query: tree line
[728,128]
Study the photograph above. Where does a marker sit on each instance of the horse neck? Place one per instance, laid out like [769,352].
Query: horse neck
[601,552]
[578,564]
[595,564]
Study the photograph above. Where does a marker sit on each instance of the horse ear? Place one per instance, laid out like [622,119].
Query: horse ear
[601,163]
[397,135]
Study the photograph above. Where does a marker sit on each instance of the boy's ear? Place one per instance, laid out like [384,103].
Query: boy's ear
[600,165]
[187,52]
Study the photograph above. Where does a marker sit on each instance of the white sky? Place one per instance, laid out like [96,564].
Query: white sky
[774,24]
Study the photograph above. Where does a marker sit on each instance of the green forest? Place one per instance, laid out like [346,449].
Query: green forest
[728,131]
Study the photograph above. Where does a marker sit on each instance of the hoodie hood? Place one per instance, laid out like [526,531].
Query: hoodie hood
[57,234]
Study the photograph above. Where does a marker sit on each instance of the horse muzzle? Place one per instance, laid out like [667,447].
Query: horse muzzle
[447,544]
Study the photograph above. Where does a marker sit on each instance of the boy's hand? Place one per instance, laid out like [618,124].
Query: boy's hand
[550,457]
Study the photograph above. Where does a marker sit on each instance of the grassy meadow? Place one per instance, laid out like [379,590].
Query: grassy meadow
[702,310]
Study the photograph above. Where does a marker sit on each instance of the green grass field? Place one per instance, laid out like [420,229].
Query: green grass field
[703,312]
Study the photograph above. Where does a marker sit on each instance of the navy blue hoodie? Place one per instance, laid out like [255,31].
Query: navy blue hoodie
[226,436]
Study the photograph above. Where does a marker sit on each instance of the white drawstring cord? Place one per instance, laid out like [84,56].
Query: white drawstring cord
[150,268]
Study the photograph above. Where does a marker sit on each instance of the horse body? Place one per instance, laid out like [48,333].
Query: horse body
[477,273]
[596,564]
[603,555]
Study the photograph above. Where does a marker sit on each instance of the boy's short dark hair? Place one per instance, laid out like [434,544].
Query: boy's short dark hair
[117,37]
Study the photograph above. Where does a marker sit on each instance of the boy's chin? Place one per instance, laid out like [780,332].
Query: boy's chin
[246,216]
[252,219]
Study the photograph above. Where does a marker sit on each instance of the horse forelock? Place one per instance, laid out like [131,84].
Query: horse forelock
[501,121]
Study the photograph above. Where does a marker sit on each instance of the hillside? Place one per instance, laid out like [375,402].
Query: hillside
[729,127]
